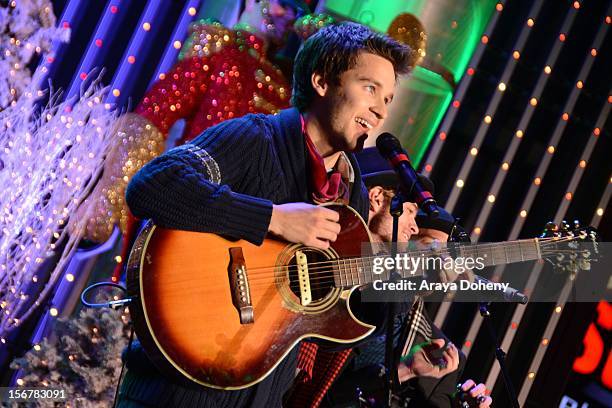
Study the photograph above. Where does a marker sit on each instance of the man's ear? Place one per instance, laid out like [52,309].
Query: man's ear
[319,84]
[377,198]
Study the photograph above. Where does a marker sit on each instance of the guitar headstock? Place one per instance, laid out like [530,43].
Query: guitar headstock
[569,247]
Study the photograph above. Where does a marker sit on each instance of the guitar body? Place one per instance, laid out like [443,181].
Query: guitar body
[189,324]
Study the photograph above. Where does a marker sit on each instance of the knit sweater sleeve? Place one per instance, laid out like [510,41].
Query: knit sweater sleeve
[190,187]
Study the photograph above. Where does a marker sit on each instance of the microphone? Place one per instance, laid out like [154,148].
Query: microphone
[509,294]
[390,148]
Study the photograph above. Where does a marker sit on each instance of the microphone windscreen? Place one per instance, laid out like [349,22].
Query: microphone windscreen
[387,144]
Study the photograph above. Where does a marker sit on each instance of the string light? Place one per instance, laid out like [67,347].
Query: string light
[501,86]
[593,52]
[533,101]
[523,213]
[484,39]
[600,211]
[456,104]
[516,55]
[558,309]
[442,136]
[551,149]
[473,151]
[146,26]
[537,181]
[547,70]
[70,277]
[576,5]
[568,196]
[505,166]
[565,116]
[531,375]
[530,22]
[116,92]
[491,198]
[562,37]
[582,164]
[519,133]
[177,44]
[545,342]
[477,230]
[460,183]
[487,119]
[53,312]
[499,7]
[192,11]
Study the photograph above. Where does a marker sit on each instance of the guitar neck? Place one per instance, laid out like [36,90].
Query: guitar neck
[350,272]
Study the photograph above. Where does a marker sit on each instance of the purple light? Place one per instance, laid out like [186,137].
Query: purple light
[180,32]
[99,45]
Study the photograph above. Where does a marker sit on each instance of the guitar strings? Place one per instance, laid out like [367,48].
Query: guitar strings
[445,251]
[328,271]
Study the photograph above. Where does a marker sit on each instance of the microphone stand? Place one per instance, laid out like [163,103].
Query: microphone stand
[500,355]
[392,382]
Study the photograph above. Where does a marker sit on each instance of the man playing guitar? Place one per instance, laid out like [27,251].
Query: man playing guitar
[263,174]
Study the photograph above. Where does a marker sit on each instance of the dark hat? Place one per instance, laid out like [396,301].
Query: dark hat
[444,222]
[376,171]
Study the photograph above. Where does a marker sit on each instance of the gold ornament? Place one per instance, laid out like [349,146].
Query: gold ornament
[139,141]
[406,28]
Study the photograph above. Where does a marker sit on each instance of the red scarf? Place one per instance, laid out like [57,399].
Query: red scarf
[326,187]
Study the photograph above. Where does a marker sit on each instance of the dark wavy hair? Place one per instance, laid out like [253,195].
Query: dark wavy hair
[334,50]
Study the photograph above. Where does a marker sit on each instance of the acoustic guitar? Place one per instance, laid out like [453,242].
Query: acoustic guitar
[223,313]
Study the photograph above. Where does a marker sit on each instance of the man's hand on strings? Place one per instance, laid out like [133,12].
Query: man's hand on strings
[306,224]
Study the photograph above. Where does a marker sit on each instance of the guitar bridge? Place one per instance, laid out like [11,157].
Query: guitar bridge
[239,286]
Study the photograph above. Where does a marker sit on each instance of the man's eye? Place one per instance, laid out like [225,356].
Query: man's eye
[371,88]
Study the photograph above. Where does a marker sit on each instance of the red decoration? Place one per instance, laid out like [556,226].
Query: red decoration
[222,76]
[594,347]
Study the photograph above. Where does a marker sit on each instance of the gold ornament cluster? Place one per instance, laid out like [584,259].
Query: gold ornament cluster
[139,141]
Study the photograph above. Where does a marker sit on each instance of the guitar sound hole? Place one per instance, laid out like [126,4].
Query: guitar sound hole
[321,275]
